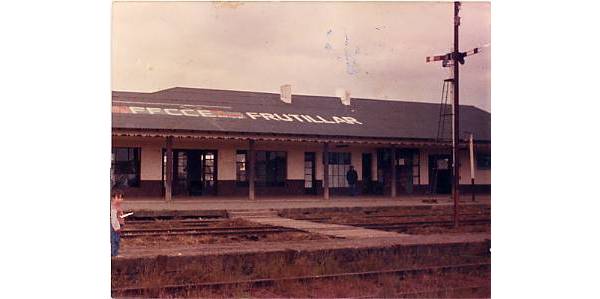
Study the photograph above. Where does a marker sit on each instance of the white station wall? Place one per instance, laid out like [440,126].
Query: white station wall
[482,176]
[151,152]
[151,149]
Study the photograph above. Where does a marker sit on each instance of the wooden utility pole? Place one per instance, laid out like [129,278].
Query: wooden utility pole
[472,160]
[326,170]
[393,173]
[169,169]
[455,117]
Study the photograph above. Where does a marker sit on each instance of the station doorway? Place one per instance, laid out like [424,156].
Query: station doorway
[194,172]
[440,174]
[367,177]
[406,168]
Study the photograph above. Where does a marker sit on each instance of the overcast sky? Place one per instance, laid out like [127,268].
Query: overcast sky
[374,50]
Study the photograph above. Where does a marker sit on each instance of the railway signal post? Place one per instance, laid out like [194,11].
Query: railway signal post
[455,130]
[452,60]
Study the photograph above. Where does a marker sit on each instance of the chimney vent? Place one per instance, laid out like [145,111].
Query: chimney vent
[286,93]
[344,96]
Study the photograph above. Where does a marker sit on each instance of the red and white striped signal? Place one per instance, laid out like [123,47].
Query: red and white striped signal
[447,58]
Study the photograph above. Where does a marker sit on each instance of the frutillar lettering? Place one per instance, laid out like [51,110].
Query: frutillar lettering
[316,119]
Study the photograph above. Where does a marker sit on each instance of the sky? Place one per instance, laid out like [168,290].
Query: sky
[372,49]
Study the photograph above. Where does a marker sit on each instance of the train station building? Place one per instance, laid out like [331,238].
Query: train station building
[184,143]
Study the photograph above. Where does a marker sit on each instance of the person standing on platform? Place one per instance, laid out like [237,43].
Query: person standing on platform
[116,221]
[352,178]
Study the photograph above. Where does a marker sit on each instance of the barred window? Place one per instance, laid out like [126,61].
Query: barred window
[339,164]
[309,170]
[125,166]
[271,168]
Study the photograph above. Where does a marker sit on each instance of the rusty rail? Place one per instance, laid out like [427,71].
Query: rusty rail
[205,231]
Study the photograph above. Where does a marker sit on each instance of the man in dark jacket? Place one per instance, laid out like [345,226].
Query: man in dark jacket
[352,177]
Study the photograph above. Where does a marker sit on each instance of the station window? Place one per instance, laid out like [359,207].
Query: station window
[271,168]
[241,172]
[125,166]
[339,164]
[309,170]
[484,161]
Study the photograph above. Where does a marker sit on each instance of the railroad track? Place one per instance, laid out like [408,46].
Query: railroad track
[179,221]
[265,282]
[407,217]
[190,231]
[414,220]
[401,225]
[202,227]
[194,226]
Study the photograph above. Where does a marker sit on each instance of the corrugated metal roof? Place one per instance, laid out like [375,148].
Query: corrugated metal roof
[210,110]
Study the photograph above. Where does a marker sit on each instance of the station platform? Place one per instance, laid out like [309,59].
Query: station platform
[225,249]
[280,203]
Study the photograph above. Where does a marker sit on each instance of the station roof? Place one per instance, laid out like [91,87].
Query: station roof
[227,111]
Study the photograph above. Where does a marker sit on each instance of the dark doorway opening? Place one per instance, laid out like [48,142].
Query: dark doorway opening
[309,173]
[367,176]
[406,167]
[194,172]
[405,170]
[440,174]
[384,171]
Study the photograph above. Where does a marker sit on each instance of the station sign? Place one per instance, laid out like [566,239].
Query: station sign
[215,113]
